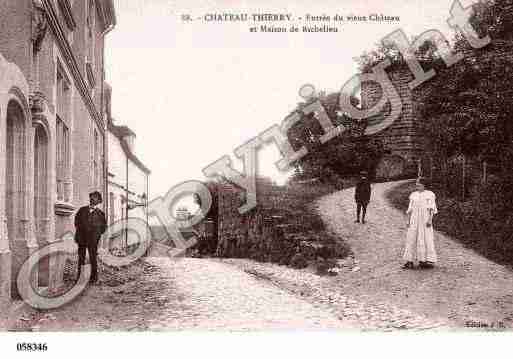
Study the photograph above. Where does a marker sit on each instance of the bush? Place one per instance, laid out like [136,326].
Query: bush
[333,249]
[298,261]
[340,250]
[322,266]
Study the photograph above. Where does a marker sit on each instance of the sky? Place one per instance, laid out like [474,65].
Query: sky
[195,91]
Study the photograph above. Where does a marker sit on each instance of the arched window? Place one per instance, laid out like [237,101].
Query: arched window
[90,42]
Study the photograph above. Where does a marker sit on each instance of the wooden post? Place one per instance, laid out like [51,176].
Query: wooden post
[126,209]
[485,174]
[463,179]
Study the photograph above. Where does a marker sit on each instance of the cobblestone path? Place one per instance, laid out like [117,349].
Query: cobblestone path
[186,294]
[221,296]
[463,290]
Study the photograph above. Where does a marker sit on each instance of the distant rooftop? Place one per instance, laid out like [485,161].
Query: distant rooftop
[121,132]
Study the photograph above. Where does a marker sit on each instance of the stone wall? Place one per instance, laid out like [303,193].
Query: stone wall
[403,138]
[254,234]
[281,229]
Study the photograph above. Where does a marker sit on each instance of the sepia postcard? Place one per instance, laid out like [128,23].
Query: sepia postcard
[285,168]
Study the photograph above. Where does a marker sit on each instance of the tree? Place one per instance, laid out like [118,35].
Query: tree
[342,156]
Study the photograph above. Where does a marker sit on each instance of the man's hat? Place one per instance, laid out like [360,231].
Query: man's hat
[363,173]
[96,194]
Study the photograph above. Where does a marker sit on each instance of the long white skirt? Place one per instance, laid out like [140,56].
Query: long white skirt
[420,244]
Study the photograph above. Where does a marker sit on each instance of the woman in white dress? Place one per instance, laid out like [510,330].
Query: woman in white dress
[420,246]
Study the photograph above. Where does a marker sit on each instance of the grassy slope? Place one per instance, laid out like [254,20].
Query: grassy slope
[295,204]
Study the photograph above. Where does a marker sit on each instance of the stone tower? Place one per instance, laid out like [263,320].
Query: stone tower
[403,140]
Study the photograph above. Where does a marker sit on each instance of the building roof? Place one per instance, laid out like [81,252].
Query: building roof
[108,12]
[120,132]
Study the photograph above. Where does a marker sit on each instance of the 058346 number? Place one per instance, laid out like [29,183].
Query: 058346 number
[32,347]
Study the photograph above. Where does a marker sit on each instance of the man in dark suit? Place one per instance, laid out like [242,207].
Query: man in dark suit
[362,196]
[90,224]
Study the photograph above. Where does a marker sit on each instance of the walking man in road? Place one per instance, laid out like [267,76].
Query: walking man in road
[90,224]
[362,196]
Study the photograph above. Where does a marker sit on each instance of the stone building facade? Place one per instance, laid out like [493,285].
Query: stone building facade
[52,125]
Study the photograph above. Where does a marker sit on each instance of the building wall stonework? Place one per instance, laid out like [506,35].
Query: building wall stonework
[15,239]
[37,49]
[402,139]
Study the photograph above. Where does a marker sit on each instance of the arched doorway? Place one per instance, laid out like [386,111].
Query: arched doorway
[15,182]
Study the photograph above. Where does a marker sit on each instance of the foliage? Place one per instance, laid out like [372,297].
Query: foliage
[479,223]
[298,261]
[382,52]
[466,109]
[343,156]
[493,18]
